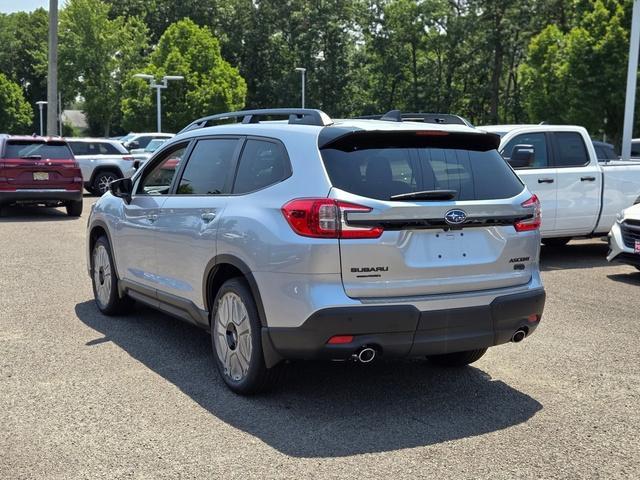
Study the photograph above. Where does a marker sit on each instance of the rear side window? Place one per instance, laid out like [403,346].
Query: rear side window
[384,172]
[263,163]
[570,150]
[30,149]
[208,167]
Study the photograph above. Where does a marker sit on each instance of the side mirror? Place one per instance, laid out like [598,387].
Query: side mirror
[132,144]
[522,156]
[122,188]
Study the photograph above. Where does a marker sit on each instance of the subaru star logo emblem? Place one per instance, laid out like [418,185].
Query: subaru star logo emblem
[455,216]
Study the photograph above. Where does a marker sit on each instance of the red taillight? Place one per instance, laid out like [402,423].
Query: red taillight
[326,218]
[340,339]
[530,223]
[128,157]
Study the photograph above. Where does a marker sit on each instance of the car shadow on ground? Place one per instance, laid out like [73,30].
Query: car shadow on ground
[574,255]
[33,214]
[631,278]
[322,409]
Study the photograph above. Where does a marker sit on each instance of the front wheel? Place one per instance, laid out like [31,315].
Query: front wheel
[236,340]
[105,282]
[457,359]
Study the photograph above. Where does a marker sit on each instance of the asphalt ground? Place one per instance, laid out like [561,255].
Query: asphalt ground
[87,396]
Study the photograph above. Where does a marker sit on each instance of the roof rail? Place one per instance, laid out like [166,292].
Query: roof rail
[297,116]
[440,118]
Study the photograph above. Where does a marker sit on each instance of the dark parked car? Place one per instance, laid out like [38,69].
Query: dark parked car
[39,171]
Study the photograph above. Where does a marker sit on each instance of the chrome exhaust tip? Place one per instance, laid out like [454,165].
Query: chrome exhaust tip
[518,336]
[366,355]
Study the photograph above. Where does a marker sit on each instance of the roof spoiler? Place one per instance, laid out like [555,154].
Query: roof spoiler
[296,116]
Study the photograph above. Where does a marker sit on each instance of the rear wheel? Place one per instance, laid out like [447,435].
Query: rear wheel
[102,180]
[236,340]
[457,359]
[555,242]
[74,209]
[105,282]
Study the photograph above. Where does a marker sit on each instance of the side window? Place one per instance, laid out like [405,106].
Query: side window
[208,167]
[571,151]
[539,142]
[158,180]
[635,149]
[107,149]
[263,163]
[79,148]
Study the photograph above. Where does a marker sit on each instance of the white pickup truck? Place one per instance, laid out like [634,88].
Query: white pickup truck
[580,197]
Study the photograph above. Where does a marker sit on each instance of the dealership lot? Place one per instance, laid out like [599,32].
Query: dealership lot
[86,396]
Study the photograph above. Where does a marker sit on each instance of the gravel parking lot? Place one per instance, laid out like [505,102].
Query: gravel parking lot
[86,396]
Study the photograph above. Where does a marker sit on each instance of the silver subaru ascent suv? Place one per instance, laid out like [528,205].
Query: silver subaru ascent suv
[312,238]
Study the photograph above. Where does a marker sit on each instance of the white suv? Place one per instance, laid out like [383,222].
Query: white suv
[313,238]
[102,161]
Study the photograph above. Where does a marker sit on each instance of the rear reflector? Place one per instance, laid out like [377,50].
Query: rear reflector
[77,179]
[326,218]
[128,157]
[534,317]
[340,339]
[530,224]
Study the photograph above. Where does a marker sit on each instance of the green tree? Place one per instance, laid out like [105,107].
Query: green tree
[578,76]
[211,84]
[96,55]
[16,114]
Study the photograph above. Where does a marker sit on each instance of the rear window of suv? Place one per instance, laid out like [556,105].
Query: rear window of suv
[380,170]
[31,149]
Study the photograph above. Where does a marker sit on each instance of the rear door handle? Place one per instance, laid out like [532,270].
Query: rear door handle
[545,180]
[207,216]
[587,179]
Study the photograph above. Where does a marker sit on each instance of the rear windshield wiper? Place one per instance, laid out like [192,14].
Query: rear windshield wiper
[427,195]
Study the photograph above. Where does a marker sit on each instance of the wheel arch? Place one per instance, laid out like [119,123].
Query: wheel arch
[222,268]
[99,229]
[105,168]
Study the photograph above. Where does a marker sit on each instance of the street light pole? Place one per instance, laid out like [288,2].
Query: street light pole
[41,104]
[52,69]
[303,71]
[158,87]
[632,74]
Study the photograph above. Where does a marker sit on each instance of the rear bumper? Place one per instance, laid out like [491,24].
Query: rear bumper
[403,330]
[41,195]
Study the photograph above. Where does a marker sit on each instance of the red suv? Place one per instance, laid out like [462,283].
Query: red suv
[39,171]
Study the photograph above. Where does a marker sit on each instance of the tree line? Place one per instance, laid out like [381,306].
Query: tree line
[491,61]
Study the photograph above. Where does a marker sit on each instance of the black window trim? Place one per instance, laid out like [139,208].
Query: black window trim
[288,175]
[154,161]
[229,181]
[556,150]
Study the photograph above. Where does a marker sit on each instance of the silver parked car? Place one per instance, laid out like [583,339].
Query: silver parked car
[102,161]
[624,238]
[136,141]
[141,155]
[312,238]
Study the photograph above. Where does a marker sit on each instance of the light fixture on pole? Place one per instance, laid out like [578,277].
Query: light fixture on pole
[303,71]
[158,87]
[41,104]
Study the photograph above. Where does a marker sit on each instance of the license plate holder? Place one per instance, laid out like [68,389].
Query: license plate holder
[40,176]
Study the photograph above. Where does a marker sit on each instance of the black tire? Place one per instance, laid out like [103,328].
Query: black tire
[99,186]
[113,303]
[74,209]
[457,359]
[555,242]
[257,377]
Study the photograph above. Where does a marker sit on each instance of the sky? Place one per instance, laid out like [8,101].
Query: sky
[10,6]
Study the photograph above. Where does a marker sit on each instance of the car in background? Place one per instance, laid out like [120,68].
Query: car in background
[605,152]
[624,238]
[40,171]
[141,155]
[102,161]
[134,141]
